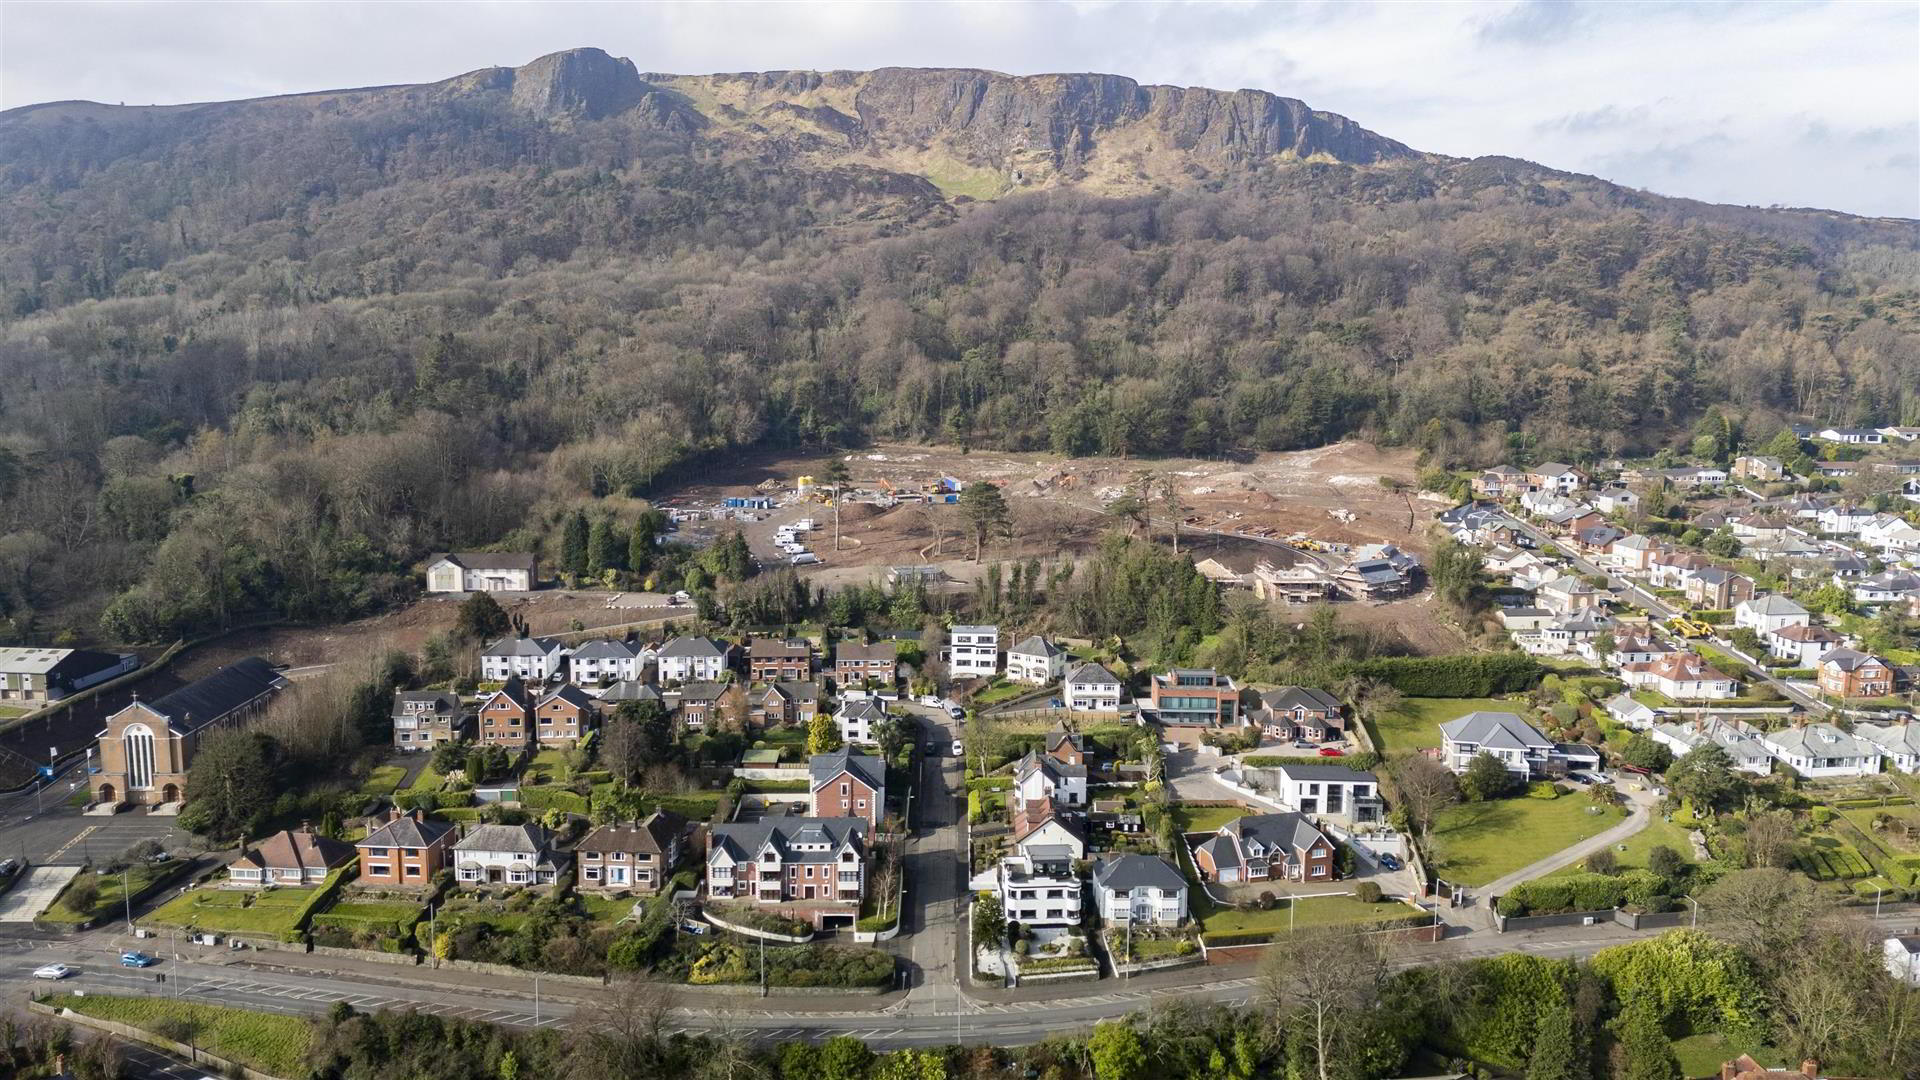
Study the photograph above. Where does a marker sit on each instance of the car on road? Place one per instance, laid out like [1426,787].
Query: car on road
[958,749]
[933,700]
[1332,751]
[1054,703]
[52,971]
[957,713]
[137,960]
[1391,862]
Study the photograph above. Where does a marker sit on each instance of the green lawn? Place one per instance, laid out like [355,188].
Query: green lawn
[1660,831]
[9,712]
[428,780]
[1479,842]
[606,909]
[112,900]
[1702,1055]
[384,781]
[1003,691]
[271,1044]
[1314,911]
[1190,818]
[1415,724]
[235,910]
[552,764]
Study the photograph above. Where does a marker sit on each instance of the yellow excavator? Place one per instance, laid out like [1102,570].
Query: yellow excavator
[1690,628]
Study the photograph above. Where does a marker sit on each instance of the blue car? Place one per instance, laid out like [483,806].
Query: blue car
[1391,862]
[137,960]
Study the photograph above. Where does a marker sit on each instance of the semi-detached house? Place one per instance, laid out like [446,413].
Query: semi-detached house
[691,660]
[531,658]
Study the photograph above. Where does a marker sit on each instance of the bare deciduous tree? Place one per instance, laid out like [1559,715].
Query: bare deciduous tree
[1319,983]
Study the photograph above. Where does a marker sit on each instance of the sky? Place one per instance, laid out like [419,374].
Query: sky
[1785,103]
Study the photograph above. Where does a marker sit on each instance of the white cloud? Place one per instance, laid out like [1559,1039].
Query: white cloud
[1795,103]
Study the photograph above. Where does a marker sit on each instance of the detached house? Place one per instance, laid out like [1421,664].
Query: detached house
[1092,688]
[692,660]
[1500,482]
[1743,746]
[1558,478]
[810,868]
[530,658]
[1037,884]
[290,857]
[1900,743]
[635,857]
[1888,587]
[856,663]
[1765,614]
[1036,661]
[973,652]
[1713,588]
[1332,790]
[792,703]
[428,719]
[1139,889]
[1301,712]
[1849,673]
[507,855]
[1632,553]
[1682,676]
[1043,776]
[700,705]
[1200,697]
[1758,469]
[482,571]
[1802,645]
[857,717]
[847,783]
[406,851]
[1817,750]
[1262,847]
[1515,743]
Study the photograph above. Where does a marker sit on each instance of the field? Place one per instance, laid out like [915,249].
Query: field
[1415,724]
[235,911]
[1479,842]
[271,1044]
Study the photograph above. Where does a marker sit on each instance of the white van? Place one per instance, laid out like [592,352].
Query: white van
[803,525]
[804,558]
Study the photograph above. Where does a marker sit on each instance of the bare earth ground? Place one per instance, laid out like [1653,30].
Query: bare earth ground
[1055,505]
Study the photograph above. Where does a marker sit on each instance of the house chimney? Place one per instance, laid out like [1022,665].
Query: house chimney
[1809,1067]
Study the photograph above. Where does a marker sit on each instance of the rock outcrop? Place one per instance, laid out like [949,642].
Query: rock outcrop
[578,82]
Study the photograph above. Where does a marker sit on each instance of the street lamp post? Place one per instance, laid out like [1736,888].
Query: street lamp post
[126,893]
[536,999]
[1696,909]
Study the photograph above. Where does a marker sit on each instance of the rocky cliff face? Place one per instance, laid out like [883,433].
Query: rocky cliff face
[578,82]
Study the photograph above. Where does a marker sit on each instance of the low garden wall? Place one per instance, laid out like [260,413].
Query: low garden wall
[753,990]
[405,959]
[1632,920]
[1120,968]
[752,932]
[524,973]
[786,773]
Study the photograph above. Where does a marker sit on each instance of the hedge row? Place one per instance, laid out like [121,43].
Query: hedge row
[434,800]
[1869,804]
[1833,863]
[551,798]
[1586,892]
[1470,676]
[321,897]
[1360,762]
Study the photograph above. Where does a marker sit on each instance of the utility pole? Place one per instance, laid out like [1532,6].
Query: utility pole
[126,893]
[536,999]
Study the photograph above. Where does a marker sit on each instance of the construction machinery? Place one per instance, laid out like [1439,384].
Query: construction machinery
[1690,628]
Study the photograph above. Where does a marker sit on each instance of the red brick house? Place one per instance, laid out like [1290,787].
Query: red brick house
[1850,673]
[1069,748]
[407,851]
[1261,847]
[506,716]
[565,716]
[847,783]
[792,703]
[774,660]
[636,857]
[854,663]
[701,705]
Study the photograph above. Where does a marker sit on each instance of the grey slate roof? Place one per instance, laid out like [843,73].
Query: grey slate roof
[1124,873]
[526,839]
[1893,738]
[1092,675]
[692,648]
[522,646]
[570,694]
[1048,765]
[656,834]
[1500,730]
[1289,697]
[744,841]
[1820,741]
[861,653]
[407,832]
[1773,604]
[200,703]
[630,690]
[604,649]
[863,708]
[1293,832]
[1036,646]
[1338,774]
[443,704]
[870,770]
[488,560]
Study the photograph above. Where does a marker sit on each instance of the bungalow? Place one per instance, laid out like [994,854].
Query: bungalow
[507,855]
[1802,645]
[1301,712]
[630,690]
[817,862]
[1262,847]
[1571,521]
[407,851]
[1886,587]
[1695,476]
[1904,434]
[639,857]
[973,652]
[1714,588]
[1638,648]
[1741,743]
[772,660]
[1633,713]
[857,663]
[1750,527]
[1043,776]
[600,663]
[1598,539]
[1330,790]
[290,857]
[1525,620]
[1817,750]
[1092,688]
[1563,635]
[1849,673]
[847,783]
[532,658]
[1851,436]
[428,719]
[856,718]
[1899,742]
[692,659]
[1036,661]
[1199,697]
[1765,614]
[482,571]
[1143,889]
[1683,676]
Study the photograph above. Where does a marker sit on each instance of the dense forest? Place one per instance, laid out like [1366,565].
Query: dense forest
[265,355]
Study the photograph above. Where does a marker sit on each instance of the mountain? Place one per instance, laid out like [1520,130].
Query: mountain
[261,354]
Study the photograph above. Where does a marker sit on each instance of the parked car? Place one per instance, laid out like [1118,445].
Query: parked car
[958,749]
[137,960]
[52,971]
[1390,861]
[1053,703]
[957,713]
[1332,751]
